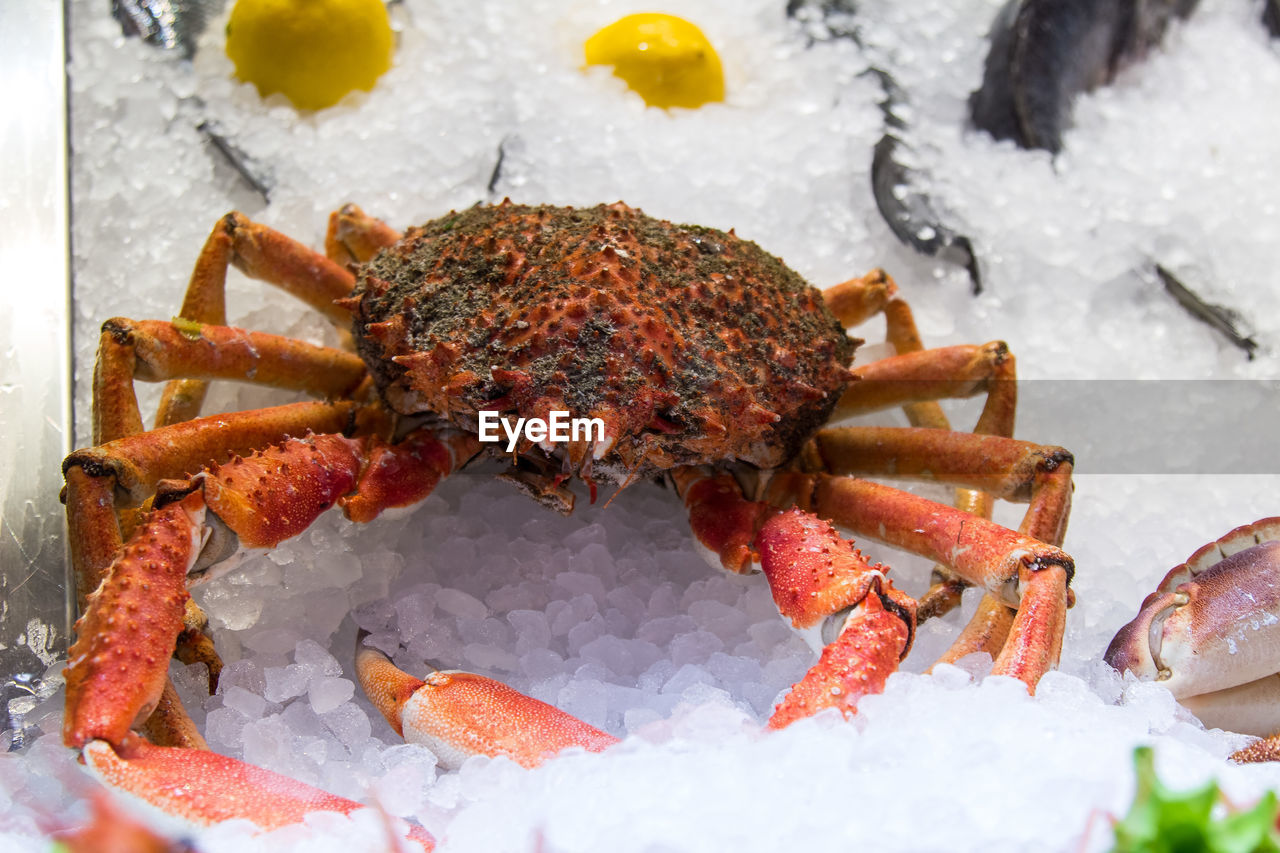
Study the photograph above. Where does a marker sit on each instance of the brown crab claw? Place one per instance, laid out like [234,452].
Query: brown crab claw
[1137,645]
[1219,629]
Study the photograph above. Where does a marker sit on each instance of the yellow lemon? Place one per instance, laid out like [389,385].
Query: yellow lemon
[664,59]
[314,51]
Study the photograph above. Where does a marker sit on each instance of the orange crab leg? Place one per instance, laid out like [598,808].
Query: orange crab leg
[118,665]
[859,299]
[354,236]
[262,253]
[956,371]
[458,714]
[206,788]
[856,301]
[983,553]
[164,349]
[138,462]
[1004,467]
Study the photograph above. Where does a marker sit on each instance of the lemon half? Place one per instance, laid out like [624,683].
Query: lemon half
[313,51]
[664,59]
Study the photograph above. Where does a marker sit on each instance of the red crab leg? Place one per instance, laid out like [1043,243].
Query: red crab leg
[1007,564]
[118,665]
[458,714]
[205,788]
[723,523]
[355,237]
[126,470]
[814,574]
[262,253]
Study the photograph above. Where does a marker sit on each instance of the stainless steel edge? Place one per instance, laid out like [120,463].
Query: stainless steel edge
[35,351]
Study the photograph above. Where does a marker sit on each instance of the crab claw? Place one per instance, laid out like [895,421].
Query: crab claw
[1212,629]
[205,788]
[820,581]
[458,714]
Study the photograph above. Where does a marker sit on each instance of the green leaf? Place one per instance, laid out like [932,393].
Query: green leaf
[1165,821]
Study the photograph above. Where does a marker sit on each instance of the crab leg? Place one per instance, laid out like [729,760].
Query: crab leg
[1011,566]
[118,666]
[820,582]
[458,714]
[205,788]
[724,524]
[996,465]
[814,575]
[126,470]
[262,253]
[856,301]
[355,237]
[154,350]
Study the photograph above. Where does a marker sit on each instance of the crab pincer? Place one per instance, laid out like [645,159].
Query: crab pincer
[1211,634]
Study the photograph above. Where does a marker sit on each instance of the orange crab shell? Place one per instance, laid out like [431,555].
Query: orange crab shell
[691,344]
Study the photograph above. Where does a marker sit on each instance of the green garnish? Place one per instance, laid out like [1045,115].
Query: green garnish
[1165,821]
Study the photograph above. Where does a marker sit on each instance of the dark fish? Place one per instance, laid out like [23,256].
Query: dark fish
[258,176]
[826,19]
[897,189]
[1225,321]
[910,213]
[171,24]
[906,208]
[1045,52]
[1271,17]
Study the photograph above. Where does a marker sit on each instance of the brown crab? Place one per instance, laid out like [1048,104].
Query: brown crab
[704,359]
[1210,634]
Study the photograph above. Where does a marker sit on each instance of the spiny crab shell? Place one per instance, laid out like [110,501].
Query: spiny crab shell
[692,345]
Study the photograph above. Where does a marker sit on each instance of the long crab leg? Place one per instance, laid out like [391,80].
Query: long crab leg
[1002,467]
[856,301]
[206,788]
[190,353]
[125,471]
[261,253]
[155,350]
[1022,571]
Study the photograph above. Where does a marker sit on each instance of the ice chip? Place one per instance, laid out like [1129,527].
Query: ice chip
[327,693]
[285,682]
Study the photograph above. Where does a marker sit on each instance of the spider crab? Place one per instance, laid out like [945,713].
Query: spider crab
[1210,634]
[709,363]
